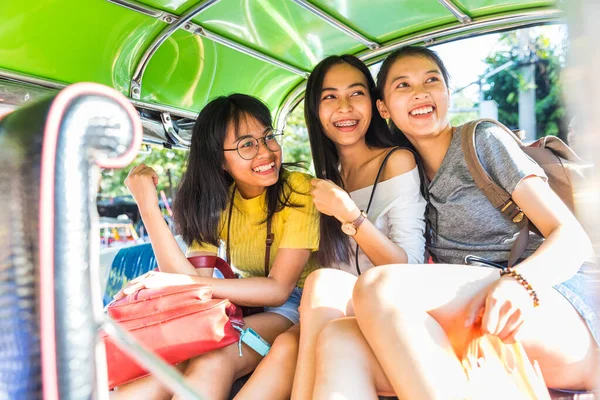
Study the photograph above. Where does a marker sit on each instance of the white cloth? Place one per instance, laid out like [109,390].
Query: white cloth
[397,210]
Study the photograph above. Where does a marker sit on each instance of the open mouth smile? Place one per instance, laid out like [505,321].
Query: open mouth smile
[265,167]
[424,110]
[346,123]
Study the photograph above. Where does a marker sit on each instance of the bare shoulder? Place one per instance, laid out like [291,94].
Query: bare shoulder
[400,162]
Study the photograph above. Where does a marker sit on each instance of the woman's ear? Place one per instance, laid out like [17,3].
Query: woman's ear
[383,111]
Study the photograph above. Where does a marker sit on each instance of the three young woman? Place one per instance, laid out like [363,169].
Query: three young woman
[412,321]
[233,186]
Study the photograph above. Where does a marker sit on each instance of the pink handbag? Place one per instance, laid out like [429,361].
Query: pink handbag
[176,323]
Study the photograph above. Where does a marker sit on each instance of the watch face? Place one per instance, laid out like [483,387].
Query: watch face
[349,229]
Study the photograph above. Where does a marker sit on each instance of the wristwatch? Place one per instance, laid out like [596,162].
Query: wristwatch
[350,228]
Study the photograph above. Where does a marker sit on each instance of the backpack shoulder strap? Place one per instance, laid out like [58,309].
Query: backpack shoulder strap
[499,197]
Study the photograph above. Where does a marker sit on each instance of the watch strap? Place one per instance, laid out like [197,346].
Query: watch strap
[361,218]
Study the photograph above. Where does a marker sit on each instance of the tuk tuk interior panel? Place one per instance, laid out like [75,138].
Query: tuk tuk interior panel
[188,70]
[67,42]
[281,29]
[388,19]
[108,40]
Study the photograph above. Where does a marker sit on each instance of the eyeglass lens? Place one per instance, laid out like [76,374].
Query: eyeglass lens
[248,147]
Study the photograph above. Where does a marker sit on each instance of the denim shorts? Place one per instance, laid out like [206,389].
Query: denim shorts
[582,291]
[289,309]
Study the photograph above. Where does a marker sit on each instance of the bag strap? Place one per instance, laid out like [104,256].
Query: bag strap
[268,241]
[500,198]
[381,167]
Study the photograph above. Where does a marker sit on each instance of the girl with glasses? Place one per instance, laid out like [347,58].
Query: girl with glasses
[412,321]
[349,143]
[234,183]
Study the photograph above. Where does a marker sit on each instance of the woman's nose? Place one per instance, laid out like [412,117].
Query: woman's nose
[345,105]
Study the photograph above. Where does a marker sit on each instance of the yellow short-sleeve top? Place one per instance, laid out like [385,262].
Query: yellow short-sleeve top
[292,227]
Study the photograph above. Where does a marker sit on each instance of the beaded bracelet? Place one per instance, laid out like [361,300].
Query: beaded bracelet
[514,274]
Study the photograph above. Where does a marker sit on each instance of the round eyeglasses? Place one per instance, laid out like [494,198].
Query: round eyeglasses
[247,146]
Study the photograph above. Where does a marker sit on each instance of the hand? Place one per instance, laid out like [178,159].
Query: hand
[141,182]
[330,199]
[501,309]
[153,279]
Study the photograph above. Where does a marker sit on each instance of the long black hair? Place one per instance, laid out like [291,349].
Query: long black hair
[334,245]
[204,191]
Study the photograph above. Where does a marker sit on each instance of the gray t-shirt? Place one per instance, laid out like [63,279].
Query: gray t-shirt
[462,221]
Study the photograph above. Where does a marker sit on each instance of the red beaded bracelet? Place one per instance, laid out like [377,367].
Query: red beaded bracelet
[514,274]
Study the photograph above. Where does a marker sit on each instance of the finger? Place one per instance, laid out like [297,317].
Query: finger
[505,313]
[515,320]
[119,295]
[154,178]
[133,288]
[315,181]
[514,335]
[491,314]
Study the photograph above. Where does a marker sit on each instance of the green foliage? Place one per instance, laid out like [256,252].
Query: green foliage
[504,86]
[164,161]
[296,146]
[461,102]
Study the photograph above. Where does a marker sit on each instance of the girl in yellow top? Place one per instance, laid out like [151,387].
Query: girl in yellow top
[235,158]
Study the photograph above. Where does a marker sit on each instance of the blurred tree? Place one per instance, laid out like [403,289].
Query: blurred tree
[504,86]
[463,109]
[165,162]
[296,146]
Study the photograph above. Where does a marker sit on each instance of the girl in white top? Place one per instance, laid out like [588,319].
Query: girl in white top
[349,142]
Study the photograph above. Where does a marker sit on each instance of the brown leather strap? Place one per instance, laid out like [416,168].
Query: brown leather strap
[268,241]
[499,197]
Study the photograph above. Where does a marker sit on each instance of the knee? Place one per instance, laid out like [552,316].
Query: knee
[337,335]
[321,280]
[326,287]
[214,362]
[384,287]
[285,347]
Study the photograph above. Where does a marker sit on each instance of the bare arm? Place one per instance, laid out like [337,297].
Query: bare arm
[273,290]
[142,181]
[566,246]
[332,200]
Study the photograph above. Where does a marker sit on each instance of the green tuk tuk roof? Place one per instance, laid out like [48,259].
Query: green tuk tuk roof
[175,55]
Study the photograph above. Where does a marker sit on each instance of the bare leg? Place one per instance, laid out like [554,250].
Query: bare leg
[327,296]
[274,375]
[213,373]
[144,388]
[423,311]
[346,366]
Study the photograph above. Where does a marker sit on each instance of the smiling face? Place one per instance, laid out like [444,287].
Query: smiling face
[416,97]
[253,176]
[345,109]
